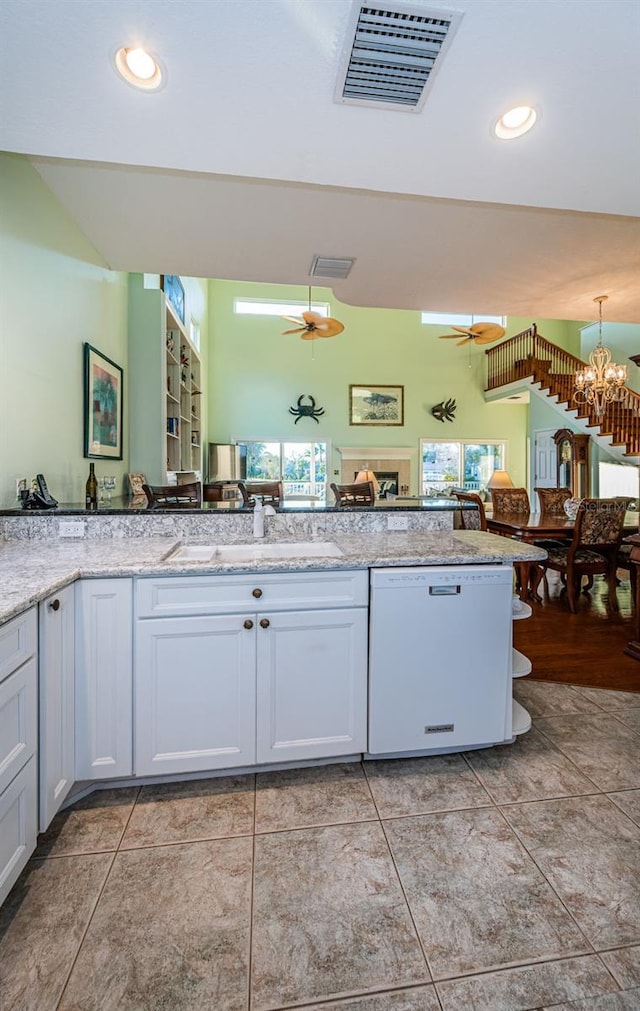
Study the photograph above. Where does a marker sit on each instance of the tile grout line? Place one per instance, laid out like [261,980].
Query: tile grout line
[95,905]
[526,849]
[555,744]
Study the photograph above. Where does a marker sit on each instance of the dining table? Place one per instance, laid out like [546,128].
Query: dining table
[539,527]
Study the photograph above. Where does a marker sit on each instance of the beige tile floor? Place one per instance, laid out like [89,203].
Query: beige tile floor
[500,880]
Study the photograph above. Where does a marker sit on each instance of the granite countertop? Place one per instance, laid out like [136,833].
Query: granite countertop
[32,570]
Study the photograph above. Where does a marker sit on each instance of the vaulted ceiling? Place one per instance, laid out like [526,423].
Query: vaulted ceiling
[244,166]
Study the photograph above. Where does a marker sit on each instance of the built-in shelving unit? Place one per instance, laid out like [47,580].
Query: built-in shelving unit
[184,393]
[520,667]
[165,382]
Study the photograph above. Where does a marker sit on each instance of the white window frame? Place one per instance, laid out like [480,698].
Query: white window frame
[277,307]
[458,319]
[461,443]
[302,442]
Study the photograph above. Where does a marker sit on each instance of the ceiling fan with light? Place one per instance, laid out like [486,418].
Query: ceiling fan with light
[479,333]
[313,325]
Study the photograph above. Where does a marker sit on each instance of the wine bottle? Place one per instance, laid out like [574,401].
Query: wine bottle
[91,489]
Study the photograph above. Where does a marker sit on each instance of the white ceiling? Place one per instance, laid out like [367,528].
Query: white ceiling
[243,166]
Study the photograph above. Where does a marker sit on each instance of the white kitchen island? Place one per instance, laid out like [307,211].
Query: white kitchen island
[188,668]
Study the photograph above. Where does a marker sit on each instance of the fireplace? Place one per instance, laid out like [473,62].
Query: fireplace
[388,481]
[390,464]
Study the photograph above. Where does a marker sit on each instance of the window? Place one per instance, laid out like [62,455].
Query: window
[194,335]
[301,466]
[458,319]
[262,307]
[467,465]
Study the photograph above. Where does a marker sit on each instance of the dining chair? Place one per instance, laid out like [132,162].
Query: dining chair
[271,492]
[173,496]
[361,493]
[212,492]
[597,535]
[471,519]
[623,561]
[552,500]
[510,500]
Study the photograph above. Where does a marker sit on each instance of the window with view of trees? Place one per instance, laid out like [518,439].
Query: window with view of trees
[468,465]
[301,466]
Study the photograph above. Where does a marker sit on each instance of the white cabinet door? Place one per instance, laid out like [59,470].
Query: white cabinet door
[18,825]
[312,684]
[195,693]
[104,678]
[56,623]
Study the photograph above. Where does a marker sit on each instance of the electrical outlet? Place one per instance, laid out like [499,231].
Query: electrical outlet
[71,528]
[21,485]
[397,522]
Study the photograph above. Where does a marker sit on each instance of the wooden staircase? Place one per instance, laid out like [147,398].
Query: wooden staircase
[529,356]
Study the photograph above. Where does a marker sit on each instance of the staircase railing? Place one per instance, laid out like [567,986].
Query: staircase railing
[528,355]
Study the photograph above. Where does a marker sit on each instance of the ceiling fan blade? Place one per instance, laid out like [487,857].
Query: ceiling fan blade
[465,340]
[313,317]
[292,319]
[493,330]
[462,329]
[329,327]
[489,339]
[298,329]
[448,336]
[310,335]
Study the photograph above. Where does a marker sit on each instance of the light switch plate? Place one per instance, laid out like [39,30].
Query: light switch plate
[397,522]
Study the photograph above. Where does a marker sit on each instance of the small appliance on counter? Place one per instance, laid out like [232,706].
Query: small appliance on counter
[39,497]
[227,464]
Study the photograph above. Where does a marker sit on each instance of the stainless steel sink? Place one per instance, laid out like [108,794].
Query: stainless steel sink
[254,551]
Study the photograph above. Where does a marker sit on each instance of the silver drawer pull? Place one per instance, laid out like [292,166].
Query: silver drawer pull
[444,591]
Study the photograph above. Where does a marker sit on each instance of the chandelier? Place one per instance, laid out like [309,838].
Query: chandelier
[600,382]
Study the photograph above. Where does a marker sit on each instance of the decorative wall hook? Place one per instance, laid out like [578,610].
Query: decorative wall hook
[444,411]
[306,410]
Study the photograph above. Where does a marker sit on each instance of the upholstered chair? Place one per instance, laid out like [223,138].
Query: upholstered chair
[594,549]
[471,519]
[510,500]
[552,500]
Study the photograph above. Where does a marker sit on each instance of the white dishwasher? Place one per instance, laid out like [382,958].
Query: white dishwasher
[439,658]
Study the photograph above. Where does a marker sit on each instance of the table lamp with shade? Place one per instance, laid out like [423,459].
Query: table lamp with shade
[499,479]
[368,475]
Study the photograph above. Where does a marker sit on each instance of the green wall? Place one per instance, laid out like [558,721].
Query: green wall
[257,373]
[56,294]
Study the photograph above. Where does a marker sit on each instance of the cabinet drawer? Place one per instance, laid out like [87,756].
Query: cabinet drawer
[18,721]
[18,826]
[272,591]
[18,641]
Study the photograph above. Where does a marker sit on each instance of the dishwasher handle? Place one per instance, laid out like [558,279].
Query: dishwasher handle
[445,591]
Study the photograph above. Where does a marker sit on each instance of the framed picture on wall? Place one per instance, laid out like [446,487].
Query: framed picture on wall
[173,288]
[376,405]
[102,406]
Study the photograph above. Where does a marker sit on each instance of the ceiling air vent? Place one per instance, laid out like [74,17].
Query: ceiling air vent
[391,53]
[330,266]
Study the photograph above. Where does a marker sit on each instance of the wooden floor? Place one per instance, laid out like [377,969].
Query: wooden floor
[583,648]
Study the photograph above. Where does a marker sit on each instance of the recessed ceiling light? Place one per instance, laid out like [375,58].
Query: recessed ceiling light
[139,68]
[515,122]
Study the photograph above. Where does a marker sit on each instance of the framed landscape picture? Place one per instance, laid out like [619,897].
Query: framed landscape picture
[174,290]
[376,405]
[102,406]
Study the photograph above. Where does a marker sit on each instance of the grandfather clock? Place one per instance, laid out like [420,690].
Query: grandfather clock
[572,461]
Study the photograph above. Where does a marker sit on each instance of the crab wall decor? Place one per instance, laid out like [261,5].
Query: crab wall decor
[444,411]
[306,410]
